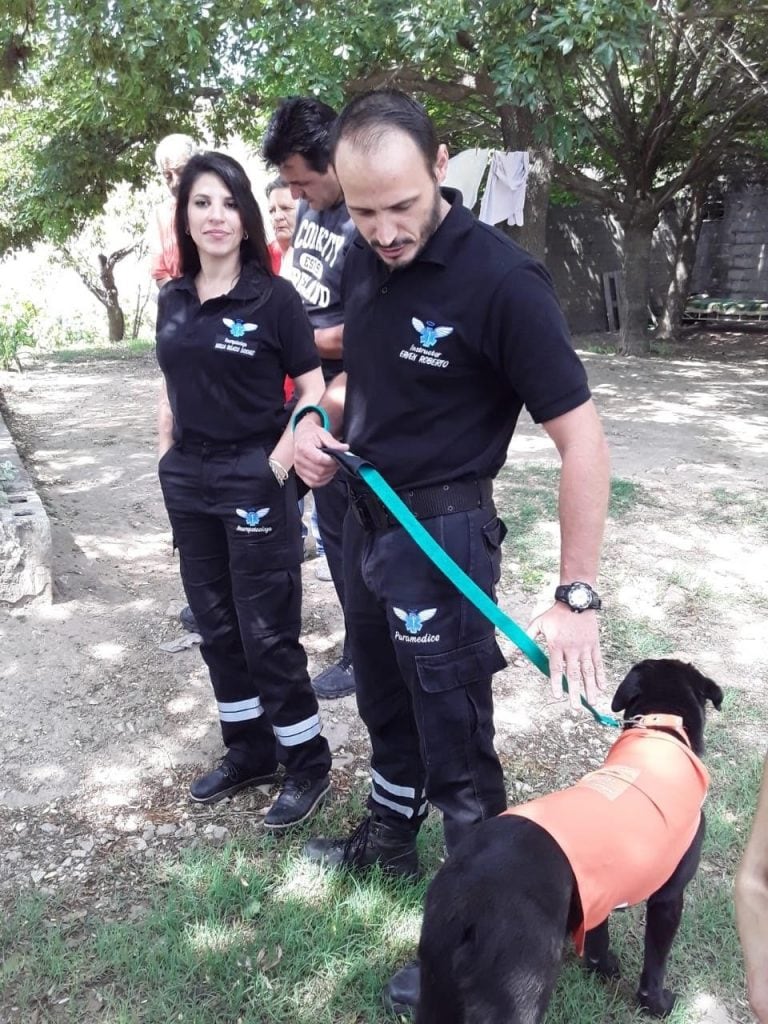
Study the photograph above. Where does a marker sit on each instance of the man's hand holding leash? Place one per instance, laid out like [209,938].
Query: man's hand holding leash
[314,427]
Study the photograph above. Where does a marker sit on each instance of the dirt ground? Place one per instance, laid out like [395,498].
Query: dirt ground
[103,730]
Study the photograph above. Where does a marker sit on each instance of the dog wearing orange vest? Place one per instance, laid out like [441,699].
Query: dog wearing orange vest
[500,909]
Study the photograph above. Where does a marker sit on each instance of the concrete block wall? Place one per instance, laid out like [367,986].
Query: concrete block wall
[584,242]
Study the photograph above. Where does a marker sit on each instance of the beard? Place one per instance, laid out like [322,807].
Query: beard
[428,227]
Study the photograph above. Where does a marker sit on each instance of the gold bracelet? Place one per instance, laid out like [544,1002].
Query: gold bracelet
[280,472]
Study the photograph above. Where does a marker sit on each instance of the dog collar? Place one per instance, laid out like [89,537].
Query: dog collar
[659,721]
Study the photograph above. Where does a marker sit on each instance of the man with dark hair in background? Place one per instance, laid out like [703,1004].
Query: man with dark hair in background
[296,143]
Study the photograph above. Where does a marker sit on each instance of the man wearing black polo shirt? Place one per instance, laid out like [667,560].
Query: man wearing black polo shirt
[296,143]
[450,328]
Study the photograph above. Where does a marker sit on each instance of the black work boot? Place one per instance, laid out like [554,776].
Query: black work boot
[226,780]
[401,993]
[372,842]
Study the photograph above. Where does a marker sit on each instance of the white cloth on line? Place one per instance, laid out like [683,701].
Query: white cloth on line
[465,172]
[504,197]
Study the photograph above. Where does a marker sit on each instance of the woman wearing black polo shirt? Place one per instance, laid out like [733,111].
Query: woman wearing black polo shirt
[228,332]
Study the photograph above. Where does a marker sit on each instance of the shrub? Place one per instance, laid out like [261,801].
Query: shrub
[16,331]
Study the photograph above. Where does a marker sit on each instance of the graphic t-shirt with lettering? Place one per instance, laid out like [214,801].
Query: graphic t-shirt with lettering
[320,244]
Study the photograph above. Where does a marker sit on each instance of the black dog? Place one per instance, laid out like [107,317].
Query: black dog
[498,912]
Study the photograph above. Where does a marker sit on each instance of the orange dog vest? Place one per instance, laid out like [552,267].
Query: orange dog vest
[625,827]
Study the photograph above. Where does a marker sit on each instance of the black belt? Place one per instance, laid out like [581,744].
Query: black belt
[203,446]
[424,502]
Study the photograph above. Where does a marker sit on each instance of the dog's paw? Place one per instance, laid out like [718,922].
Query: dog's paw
[606,966]
[657,1004]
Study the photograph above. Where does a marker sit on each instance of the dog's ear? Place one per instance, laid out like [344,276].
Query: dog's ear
[628,689]
[708,689]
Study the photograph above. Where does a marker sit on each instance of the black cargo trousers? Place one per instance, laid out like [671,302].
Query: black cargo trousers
[331,504]
[239,539]
[424,660]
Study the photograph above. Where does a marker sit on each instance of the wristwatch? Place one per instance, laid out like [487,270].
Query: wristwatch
[579,597]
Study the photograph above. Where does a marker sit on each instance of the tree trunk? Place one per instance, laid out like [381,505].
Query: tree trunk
[517,126]
[634,339]
[682,267]
[115,317]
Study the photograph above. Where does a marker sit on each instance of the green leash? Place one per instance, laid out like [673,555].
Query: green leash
[358,468]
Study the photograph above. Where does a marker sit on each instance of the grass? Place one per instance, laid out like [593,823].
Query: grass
[626,639]
[133,349]
[251,933]
[731,508]
[527,496]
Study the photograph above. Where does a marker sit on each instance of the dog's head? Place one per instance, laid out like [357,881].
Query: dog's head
[670,687]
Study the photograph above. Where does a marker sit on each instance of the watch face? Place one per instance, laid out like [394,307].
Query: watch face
[579,596]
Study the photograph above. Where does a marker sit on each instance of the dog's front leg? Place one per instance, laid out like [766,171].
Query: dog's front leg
[598,956]
[662,921]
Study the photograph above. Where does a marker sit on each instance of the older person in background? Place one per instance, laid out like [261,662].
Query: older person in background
[282,213]
[171,156]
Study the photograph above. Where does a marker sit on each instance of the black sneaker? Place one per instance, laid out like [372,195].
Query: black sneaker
[335,681]
[372,842]
[296,801]
[225,780]
[187,619]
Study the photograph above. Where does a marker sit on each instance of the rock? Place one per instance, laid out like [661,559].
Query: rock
[180,643]
[217,834]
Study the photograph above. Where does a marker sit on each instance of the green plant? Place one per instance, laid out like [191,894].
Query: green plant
[133,349]
[16,331]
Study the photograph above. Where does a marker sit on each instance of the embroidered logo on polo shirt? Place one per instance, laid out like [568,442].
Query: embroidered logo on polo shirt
[429,335]
[414,623]
[235,342]
[237,328]
[253,517]
[429,332]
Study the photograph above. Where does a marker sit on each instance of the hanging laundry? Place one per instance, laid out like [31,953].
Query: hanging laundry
[465,172]
[504,196]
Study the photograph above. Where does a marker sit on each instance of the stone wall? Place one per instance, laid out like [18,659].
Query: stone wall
[25,533]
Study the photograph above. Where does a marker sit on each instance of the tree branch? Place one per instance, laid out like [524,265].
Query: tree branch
[411,78]
[115,257]
[575,181]
[92,287]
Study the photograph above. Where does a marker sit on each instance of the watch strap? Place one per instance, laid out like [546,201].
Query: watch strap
[563,591]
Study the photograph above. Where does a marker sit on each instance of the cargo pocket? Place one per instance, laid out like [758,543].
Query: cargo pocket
[455,695]
[493,537]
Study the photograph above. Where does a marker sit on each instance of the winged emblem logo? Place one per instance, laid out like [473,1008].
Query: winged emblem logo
[414,621]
